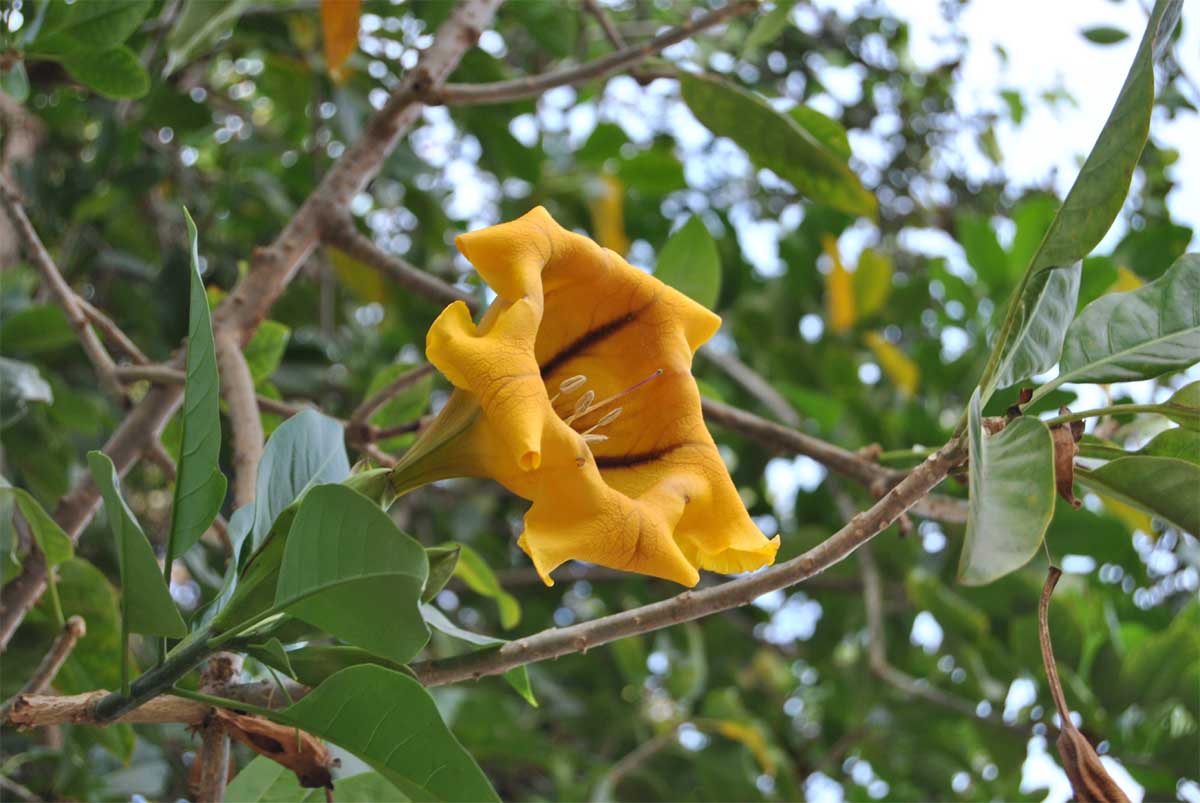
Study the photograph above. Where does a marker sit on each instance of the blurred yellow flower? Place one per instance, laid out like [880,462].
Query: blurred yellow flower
[575,391]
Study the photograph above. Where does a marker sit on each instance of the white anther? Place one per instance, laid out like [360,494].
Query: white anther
[606,420]
[589,438]
[572,384]
[581,406]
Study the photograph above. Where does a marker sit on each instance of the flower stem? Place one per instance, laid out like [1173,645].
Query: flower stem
[155,681]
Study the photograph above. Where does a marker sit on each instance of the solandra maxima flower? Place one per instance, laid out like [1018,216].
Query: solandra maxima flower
[575,392]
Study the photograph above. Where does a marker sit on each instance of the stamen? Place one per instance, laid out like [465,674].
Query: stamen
[625,392]
[605,421]
[569,385]
[582,406]
[589,438]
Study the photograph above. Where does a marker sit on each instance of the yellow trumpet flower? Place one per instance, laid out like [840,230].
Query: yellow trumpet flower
[575,392]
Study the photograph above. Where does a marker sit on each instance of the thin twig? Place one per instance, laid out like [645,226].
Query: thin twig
[47,670]
[754,384]
[342,234]
[9,785]
[371,405]
[837,459]
[610,30]
[168,375]
[532,86]
[62,292]
[237,385]
[696,604]
[109,329]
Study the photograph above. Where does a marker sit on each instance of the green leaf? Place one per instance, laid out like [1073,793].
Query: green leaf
[35,330]
[14,82]
[272,653]
[1025,346]
[200,24]
[518,677]
[265,781]
[1177,442]
[473,570]
[200,485]
[828,131]
[1141,334]
[1163,486]
[115,73]
[306,450]
[777,142]
[1184,406]
[1011,478]
[389,721]
[265,350]
[872,283]
[93,25]
[442,562]
[146,604]
[769,26]
[984,254]
[1103,182]
[1047,307]
[689,262]
[55,544]
[312,664]
[1104,35]
[349,570]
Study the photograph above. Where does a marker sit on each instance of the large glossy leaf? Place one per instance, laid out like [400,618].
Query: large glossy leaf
[777,142]
[518,677]
[1103,182]
[689,262]
[1047,307]
[1141,334]
[389,721]
[306,450]
[1164,486]
[349,570]
[146,604]
[1011,478]
[1030,339]
[1184,406]
[312,664]
[200,485]
[265,781]
[1178,442]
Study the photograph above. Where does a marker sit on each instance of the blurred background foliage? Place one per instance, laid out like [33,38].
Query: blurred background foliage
[240,117]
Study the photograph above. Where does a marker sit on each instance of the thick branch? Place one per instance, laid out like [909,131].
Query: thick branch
[532,86]
[62,292]
[342,234]
[237,385]
[694,605]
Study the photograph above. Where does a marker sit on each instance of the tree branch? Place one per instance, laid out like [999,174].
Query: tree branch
[62,292]
[247,304]
[109,329]
[847,463]
[360,417]
[342,234]
[610,30]
[237,385]
[520,88]
[696,604]
[47,670]
[169,375]
[753,383]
